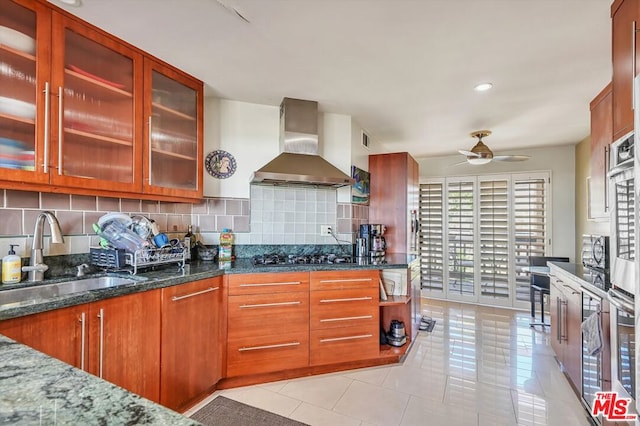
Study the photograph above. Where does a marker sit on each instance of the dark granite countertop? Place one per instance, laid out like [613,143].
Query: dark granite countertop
[577,272]
[37,389]
[170,275]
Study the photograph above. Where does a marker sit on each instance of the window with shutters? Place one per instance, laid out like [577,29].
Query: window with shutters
[431,234]
[477,233]
[530,226]
[460,237]
[494,238]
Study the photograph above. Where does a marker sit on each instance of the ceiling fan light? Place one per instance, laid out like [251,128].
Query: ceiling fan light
[483,87]
[478,161]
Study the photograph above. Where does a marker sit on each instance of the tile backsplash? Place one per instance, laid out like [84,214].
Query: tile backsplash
[273,215]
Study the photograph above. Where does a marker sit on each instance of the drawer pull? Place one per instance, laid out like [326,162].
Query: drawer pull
[265,305]
[257,348]
[197,293]
[346,280]
[336,339]
[346,318]
[350,299]
[270,284]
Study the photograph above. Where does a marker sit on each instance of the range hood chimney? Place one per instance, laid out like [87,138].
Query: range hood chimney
[299,162]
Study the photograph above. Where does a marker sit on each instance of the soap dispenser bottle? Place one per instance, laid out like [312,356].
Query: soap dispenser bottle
[11,267]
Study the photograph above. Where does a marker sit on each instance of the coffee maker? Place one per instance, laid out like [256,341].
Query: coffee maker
[371,242]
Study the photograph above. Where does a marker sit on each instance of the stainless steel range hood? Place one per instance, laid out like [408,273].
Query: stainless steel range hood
[299,162]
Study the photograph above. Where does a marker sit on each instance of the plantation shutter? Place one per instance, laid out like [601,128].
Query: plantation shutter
[431,235]
[460,237]
[530,226]
[494,238]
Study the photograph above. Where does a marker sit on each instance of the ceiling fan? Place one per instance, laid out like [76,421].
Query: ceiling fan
[481,154]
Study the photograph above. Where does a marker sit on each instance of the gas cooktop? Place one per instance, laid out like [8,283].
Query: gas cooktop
[305,259]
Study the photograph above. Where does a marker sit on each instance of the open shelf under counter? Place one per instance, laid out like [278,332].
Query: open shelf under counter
[388,351]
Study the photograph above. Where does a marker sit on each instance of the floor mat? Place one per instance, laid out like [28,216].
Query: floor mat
[227,412]
[427,324]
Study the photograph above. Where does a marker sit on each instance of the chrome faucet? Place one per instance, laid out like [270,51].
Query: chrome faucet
[37,267]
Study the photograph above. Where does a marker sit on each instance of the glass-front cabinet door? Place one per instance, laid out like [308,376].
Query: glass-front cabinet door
[173,136]
[97,111]
[25,27]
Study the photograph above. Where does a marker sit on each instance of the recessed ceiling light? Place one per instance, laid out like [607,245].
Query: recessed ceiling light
[483,87]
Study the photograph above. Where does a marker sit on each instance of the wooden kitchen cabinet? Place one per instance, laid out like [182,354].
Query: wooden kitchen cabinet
[601,138]
[56,333]
[624,14]
[117,339]
[173,149]
[344,312]
[191,362]
[566,319]
[267,322]
[94,115]
[124,342]
[393,200]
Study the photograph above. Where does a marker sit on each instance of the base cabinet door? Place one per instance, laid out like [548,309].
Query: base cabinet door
[345,316]
[58,333]
[191,346]
[124,341]
[566,321]
[268,323]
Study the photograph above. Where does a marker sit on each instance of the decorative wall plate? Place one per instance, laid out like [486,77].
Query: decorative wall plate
[220,164]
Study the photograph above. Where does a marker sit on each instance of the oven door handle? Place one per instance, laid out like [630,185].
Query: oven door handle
[620,302]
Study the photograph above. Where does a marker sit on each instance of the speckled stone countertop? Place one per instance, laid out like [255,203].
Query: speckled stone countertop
[39,390]
[170,275]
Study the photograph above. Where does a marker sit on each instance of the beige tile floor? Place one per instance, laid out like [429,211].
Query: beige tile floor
[479,366]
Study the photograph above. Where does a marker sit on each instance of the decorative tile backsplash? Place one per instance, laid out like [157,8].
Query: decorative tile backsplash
[273,215]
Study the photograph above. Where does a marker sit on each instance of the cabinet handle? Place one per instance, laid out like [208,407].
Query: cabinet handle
[346,318]
[563,335]
[337,339]
[350,299]
[47,101]
[197,293]
[257,348]
[266,305]
[149,141]
[346,280]
[101,349]
[60,129]
[270,284]
[559,316]
[83,323]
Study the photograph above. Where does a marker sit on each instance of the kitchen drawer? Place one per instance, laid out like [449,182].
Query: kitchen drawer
[344,308]
[267,353]
[272,314]
[339,280]
[344,344]
[267,283]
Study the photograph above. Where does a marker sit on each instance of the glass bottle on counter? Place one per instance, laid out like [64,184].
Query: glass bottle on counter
[190,242]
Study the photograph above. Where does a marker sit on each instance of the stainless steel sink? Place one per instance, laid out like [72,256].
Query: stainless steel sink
[33,294]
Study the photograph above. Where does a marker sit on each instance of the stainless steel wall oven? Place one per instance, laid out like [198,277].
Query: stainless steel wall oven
[622,186]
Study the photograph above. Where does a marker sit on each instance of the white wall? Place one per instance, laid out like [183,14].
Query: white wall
[250,132]
[560,160]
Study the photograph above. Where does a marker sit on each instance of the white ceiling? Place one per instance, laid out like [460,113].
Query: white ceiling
[403,69]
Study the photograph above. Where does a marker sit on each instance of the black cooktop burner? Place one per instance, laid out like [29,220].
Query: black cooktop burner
[303,259]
